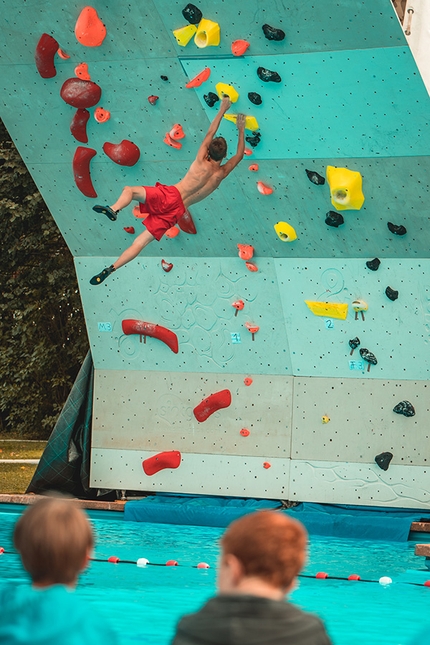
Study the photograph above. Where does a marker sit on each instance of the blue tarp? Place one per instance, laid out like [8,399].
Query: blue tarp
[366,523]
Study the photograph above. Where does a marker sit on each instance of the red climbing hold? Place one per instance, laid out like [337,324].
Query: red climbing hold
[125,153]
[81,71]
[251,266]
[186,223]
[171,142]
[238,305]
[239,47]
[172,232]
[211,404]
[246,251]
[166,266]
[79,93]
[264,189]
[89,29]
[203,565]
[266,465]
[168,459]
[129,229]
[81,170]
[177,132]
[253,167]
[171,563]
[142,328]
[245,432]
[247,152]
[200,78]
[113,559]
[101,115]
[136,212]
[153,99]
[247,381]
[44,56]
[322,575]
[354,576]
[78,126]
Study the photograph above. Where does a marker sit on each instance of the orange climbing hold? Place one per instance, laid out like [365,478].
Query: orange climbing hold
[211,404]
[247,152]
[245,432]
[62,54]
[81,71]
[200,78]
[136,212]
[251,266]
[264,189]
[171,142]
[238,305]
[101,115]
[168,459]
[253,167]
[89,29]
[266,465]
[239,47]
[246,251]
[247,381]
[177,132]
[172,232]
[252,328]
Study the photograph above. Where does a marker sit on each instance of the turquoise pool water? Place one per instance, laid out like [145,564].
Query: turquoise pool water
[144,604]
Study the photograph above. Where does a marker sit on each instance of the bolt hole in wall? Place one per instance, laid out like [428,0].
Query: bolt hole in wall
[152,598]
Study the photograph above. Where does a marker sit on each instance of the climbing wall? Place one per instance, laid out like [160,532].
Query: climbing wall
[193,394]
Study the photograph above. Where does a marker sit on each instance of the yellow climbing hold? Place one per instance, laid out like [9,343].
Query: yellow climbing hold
[328,309]
[223,88]
[345,188]
[184,34]
[208,33]
[251,122]
[285,232]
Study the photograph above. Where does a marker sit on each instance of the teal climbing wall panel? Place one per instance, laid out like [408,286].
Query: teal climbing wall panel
[351,96]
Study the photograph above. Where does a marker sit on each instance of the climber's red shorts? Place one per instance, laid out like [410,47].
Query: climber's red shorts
[164,206]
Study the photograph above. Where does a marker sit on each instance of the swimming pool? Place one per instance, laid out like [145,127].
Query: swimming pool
[144,604]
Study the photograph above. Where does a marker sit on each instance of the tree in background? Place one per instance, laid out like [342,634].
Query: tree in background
[42,328]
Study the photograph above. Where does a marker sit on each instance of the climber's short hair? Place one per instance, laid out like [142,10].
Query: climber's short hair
[218,148]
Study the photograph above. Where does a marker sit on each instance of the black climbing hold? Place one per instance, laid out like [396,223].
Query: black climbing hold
[266,75]
[406,408]
[255,98]
[373,265]
[397,230]
[368,356]
[192,14]
[383,460]
[97,279]
[253,140]
[354,343]
[334,219]
[315,177]
[164,78]
[392,294]
[211,98]
[272,33]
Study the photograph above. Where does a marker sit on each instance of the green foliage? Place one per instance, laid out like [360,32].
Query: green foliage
[42,329]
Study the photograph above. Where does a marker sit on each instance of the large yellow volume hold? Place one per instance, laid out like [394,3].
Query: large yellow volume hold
[285,232]
[208,33]
[184,34]
[345,188]
[251,122]
[328,309]
[228,90]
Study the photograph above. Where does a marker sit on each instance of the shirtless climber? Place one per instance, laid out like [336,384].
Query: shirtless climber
[165,205]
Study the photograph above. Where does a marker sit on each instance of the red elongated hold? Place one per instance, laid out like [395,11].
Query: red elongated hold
[211,404]
[251,266]
[79,93]
[78,126]
[247,381]
[62,54]
[177,132]
[125,153]
[266,465]
[101,115]
[89,29]
[142,328]
[129,229]
[161,461]
[245,432]
[166,266]
[171,563]
[322,575]
[186,223]
[171,142]
[253,167]
[81,170]
[203,565]
[239,47]
[246,251]
[113,559]
[81,71]
[44,56]
[264,189]
[248,152]
[200,78]
[172,232]
[354,576]
[153,99]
